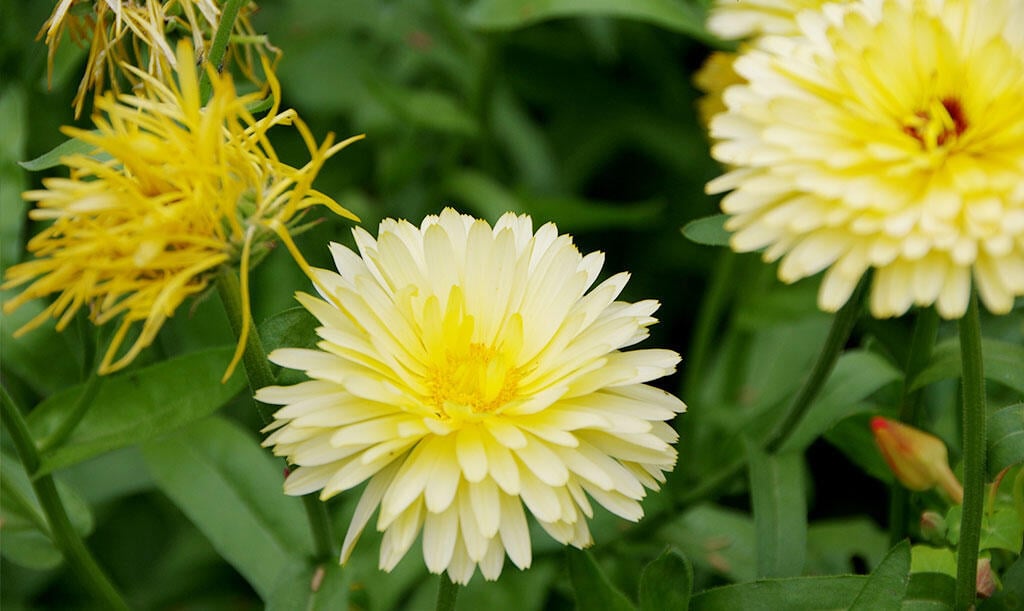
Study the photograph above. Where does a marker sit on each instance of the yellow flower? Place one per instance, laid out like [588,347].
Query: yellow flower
[172,192]
[713,78]
[890,135]
[466,371]
[735,19]
[120,33]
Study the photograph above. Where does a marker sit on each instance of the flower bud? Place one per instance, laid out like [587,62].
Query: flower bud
[917,459]
[986,583]
[933,526]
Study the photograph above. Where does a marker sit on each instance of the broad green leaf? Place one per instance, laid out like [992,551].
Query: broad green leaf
[685,18]
[929,592]
[292,328]
[887,584]
[832,545]
[928,559]
[857,375]
[666,584]
[1005,438]
[52,158]
[137,405]
[592,587]
[110,476]
[1002,528]
[321,588]
[26,539]
[780,512]
[218,475]
[1010,597]
[709,231]
[716,539]
[1002,363]
[793,594]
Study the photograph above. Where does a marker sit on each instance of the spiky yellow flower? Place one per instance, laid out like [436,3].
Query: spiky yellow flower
[172,191]
[889,135]
[466,371]
[119,32]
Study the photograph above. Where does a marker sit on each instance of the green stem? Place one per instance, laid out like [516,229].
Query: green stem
[259,374]
[710,313]
[61,531]
[973,383]
[926,326]
[220,44]
[842,326]
[447,593]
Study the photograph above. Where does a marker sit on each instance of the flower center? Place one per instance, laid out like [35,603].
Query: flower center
[471,381]
[939,123]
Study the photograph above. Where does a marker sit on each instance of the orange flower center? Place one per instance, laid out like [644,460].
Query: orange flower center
[939,123]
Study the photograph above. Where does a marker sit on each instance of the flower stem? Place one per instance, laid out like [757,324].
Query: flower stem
[78,410]
[712,306]
[973,384]
[61,531]
[257,370]
[842,326]
[220,44]
[447,593]
[926,326]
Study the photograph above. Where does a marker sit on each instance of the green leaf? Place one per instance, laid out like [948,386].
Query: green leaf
[709,231]
[292,328]
[52,158]
[887,584]
[1005,438]
[685,18]
[666,583]
[295,589]
[716,539]
[137,405]
[929,592]
[853,436]
[780,512]
[928,559]
[1002,528]
[574,214]
[592,587]
[832,545]
[857,375]
[481,194]
[232,490]
[793,594]
[1002,364]
[26,539]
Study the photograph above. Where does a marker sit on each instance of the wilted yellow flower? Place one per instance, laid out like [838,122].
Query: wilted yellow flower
[890,135]
[172,191]
[466,371]
[139,33]
[918,459]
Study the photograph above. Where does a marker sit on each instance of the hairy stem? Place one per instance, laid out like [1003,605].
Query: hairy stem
[973,384]
[63,534]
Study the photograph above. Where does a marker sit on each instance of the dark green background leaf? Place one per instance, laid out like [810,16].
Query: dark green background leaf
[591,586]
[793,594]
[709,231]
[780,512]
[887,585]
[666,583]
[1005,438]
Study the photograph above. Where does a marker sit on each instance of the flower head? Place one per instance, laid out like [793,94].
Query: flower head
[466,371]
[888,135]
[120,33]
[917,459]
[172,191]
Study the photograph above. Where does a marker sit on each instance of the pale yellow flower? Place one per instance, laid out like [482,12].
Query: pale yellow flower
[713,78]
[736,19]
[466,371]
[172,191]
[889,135]
[144,34]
